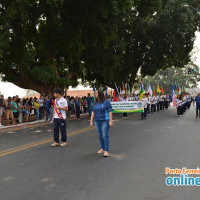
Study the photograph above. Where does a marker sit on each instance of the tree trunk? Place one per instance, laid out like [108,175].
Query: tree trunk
[44,89]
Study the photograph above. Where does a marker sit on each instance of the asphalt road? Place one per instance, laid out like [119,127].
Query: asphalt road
[140,151]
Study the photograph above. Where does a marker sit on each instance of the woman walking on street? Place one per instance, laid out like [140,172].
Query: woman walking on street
[102,116]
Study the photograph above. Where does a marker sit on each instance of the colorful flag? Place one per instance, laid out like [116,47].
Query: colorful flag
[106,91]
[147,88]
[158,89]
[150,90]
[115,96]
[161,89]
[179,89]
[141,93]
[123,89]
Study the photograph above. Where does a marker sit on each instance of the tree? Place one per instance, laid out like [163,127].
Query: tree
[175,76]
[53,43]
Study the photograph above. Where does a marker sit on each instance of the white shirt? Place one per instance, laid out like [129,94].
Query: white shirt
[40,101]
[153,100]
[144,102]
[61,103]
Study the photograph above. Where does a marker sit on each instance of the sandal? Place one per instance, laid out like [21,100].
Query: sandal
[106,154]
[63,144]
[100,151]
[55,144]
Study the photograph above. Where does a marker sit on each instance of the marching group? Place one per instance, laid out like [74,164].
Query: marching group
[99,109]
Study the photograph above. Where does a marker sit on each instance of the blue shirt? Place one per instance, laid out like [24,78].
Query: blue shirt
[197,99]
[101,110]
[77,103]
[89,100]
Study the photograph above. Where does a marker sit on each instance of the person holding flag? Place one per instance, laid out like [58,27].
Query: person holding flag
[59,118]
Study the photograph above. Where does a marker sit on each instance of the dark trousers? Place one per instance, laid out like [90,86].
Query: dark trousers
[84,109]
[166,104]
[153,108]
[124,114]
[89,109]
[179,110]
[60,124]
[197,111]
[78,111]
[158,107]
[161,105]
[148,109]
[143,114]
[41,112]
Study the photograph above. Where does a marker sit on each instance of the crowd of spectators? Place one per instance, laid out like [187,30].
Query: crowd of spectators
[15,110]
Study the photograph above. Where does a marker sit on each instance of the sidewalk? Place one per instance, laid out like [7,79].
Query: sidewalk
[35,123]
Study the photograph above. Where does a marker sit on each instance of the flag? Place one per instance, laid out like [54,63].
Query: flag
[128,90]
[120,91]
[150,90]
[115,97]
[154,92]
[147,88]
[141,91]
[158,89]
[133,90]
[178,89]
[106,91]
[123,89]
[173,96]
[161,89]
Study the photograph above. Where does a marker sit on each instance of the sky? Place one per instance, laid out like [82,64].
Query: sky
[9,89]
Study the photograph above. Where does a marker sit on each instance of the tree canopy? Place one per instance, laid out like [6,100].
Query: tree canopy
[175,76]
[53,43]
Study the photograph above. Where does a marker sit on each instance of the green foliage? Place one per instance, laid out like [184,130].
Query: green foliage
[176,76]
[50,43]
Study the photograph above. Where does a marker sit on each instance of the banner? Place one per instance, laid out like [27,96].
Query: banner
[127,107]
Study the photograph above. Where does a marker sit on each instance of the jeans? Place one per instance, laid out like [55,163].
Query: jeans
[103,132]
[89,109]
[60,124]
[197,111]
[143,114]
[41,112]
[47,115]
[37,114]
[71,107]
[78,112]
[51,114]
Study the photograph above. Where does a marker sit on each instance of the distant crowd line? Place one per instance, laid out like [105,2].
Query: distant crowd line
[15,110]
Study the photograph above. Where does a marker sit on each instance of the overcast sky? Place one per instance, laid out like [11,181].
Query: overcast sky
[9,89]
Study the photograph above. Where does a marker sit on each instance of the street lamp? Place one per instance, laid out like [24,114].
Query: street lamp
[187,5]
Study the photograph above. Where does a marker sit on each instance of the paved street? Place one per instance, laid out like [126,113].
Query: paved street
[140,150]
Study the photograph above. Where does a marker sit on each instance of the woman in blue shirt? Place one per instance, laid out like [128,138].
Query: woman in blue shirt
[102,116]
